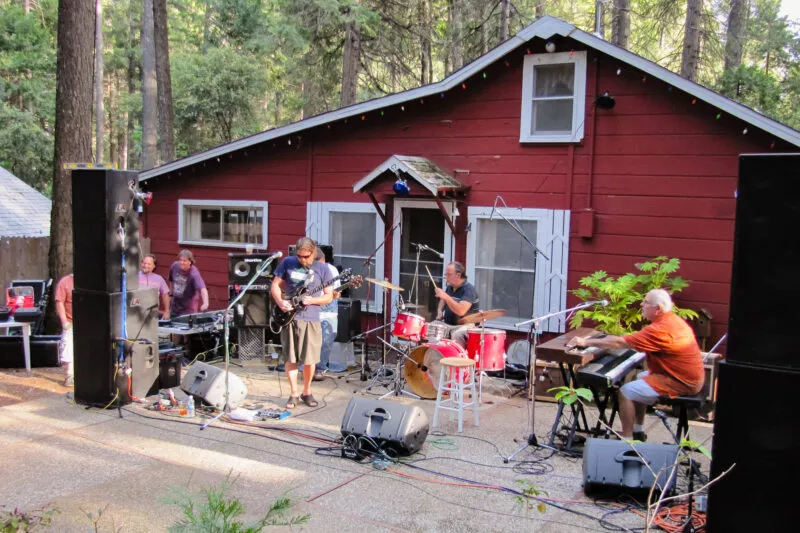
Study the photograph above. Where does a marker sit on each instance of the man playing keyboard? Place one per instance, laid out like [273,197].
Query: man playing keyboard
[674,361]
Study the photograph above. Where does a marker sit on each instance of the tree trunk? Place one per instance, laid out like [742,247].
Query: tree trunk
[113,103]
[599,28]
[541,9]
[149,90]
[98,81]
[691,39]
[351,61]
[621,23]
[426,55]
[735,36]
[454,19]
[26,5]
[505,14]
[73,125]
[166,115]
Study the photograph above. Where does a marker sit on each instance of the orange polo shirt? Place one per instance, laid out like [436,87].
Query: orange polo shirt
[673,356]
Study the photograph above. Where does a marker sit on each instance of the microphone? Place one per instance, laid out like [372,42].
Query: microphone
[431,250]
[599,302]
[401,305]
[276,255]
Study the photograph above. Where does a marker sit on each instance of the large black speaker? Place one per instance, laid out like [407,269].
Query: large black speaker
[102,202]
[252,309]
[763,284]
[402,427]
[242,267]
[97,319]
[349,319]
[759,432]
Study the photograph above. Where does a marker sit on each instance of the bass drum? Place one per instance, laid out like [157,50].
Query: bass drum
[425,383]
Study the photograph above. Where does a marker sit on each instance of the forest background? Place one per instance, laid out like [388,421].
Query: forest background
[179,77]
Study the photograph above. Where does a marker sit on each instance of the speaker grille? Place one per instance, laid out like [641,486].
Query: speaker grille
[251,344]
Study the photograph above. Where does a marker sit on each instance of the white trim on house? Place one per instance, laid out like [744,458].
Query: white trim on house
[543,28]
[318,228]
[552,237]
[578,97]
[183,203]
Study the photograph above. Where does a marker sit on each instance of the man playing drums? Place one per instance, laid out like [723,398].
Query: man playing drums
[460,299]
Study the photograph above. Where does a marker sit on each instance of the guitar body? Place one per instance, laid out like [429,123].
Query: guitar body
[279,318]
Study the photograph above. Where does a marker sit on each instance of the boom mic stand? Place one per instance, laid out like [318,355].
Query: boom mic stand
[226,325]
[533,335]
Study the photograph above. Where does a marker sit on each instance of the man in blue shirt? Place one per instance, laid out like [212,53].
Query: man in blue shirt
[302,338]
[460,299]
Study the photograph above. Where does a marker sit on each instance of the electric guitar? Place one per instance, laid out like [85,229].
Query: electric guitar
[279,318]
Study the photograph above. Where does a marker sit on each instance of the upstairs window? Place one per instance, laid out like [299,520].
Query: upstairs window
[231,223]
[553,97]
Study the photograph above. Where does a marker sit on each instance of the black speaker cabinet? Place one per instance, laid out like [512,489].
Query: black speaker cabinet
[97,319]
[403,427]
[349,319]
[765,259]
[759,432]
[102,202]
[44,351]
[242,267]
[252,309]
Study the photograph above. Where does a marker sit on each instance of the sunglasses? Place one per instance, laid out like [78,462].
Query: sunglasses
[304,256]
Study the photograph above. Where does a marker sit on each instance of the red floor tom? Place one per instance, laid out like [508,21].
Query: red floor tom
[494,349]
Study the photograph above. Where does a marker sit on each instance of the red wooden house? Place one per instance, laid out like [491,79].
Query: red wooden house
[602,157]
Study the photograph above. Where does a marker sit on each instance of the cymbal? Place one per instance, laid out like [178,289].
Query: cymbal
[385,284]
[413,306]
[474,318]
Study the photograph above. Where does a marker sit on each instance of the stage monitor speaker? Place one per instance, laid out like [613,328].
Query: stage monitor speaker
[101,201]
[242,267]
[402,427]
[96,337]
[763,283]
[615,465]
[349,319]
[208,383]
[758,434]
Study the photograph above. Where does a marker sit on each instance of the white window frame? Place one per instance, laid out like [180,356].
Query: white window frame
[550,289]
[318,228]
[579,97]
[184,203]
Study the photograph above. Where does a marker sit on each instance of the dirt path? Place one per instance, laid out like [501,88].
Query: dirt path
[16,386]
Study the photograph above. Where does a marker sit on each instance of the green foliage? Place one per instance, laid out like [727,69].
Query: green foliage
[570,395]
[26,150]
[625,294]
[95,519]
[215,512]
[17,521]
[529,497]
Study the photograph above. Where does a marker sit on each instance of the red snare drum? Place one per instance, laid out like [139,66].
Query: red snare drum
[409,327]
[425,383]
[494,348]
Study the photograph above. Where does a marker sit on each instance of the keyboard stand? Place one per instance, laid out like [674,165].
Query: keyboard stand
[578,414]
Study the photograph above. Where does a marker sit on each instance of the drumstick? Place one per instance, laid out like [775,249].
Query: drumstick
[429,275]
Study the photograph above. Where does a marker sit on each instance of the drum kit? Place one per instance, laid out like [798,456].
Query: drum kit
[425,344]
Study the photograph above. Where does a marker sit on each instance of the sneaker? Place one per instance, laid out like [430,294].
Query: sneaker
[319,375]
[69,381]
[640,436]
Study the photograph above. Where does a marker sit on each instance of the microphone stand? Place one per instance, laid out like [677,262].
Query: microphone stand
[226,326]
[533,335]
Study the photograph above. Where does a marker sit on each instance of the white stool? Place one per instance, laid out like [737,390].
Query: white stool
[454,373]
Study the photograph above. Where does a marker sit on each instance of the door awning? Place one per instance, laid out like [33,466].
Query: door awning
[423,176]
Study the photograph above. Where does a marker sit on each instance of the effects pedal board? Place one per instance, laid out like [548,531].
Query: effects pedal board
[272,414]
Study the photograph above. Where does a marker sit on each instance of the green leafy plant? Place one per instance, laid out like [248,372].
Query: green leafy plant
[17,521]
[95,519]
[625,293]
[215,512]
[529,497]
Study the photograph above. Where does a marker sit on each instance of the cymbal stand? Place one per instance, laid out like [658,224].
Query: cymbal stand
[399,380]
[385,371]
[364,358]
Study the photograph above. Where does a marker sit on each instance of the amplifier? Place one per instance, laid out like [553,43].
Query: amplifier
[241,268]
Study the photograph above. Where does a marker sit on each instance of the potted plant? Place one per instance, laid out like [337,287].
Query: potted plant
[625,294]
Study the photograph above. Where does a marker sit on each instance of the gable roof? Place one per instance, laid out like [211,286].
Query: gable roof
[544,28]
[24,211]
[422,170]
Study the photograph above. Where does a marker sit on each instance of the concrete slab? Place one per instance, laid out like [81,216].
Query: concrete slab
[57,453]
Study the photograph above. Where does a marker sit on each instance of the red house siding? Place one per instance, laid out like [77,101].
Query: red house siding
[658,171]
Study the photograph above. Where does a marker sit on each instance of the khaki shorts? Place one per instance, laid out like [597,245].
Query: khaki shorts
[301,342]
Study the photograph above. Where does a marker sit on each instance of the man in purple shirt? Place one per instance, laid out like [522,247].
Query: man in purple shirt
[148,278]
[186,284]
[301,340]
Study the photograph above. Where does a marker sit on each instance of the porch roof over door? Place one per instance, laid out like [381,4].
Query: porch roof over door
[421,170]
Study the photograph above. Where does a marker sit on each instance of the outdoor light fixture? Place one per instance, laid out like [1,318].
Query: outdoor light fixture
[550,46]
[605,101]
[401,187]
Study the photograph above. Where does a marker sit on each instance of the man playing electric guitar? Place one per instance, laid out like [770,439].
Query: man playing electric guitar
[302,338]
